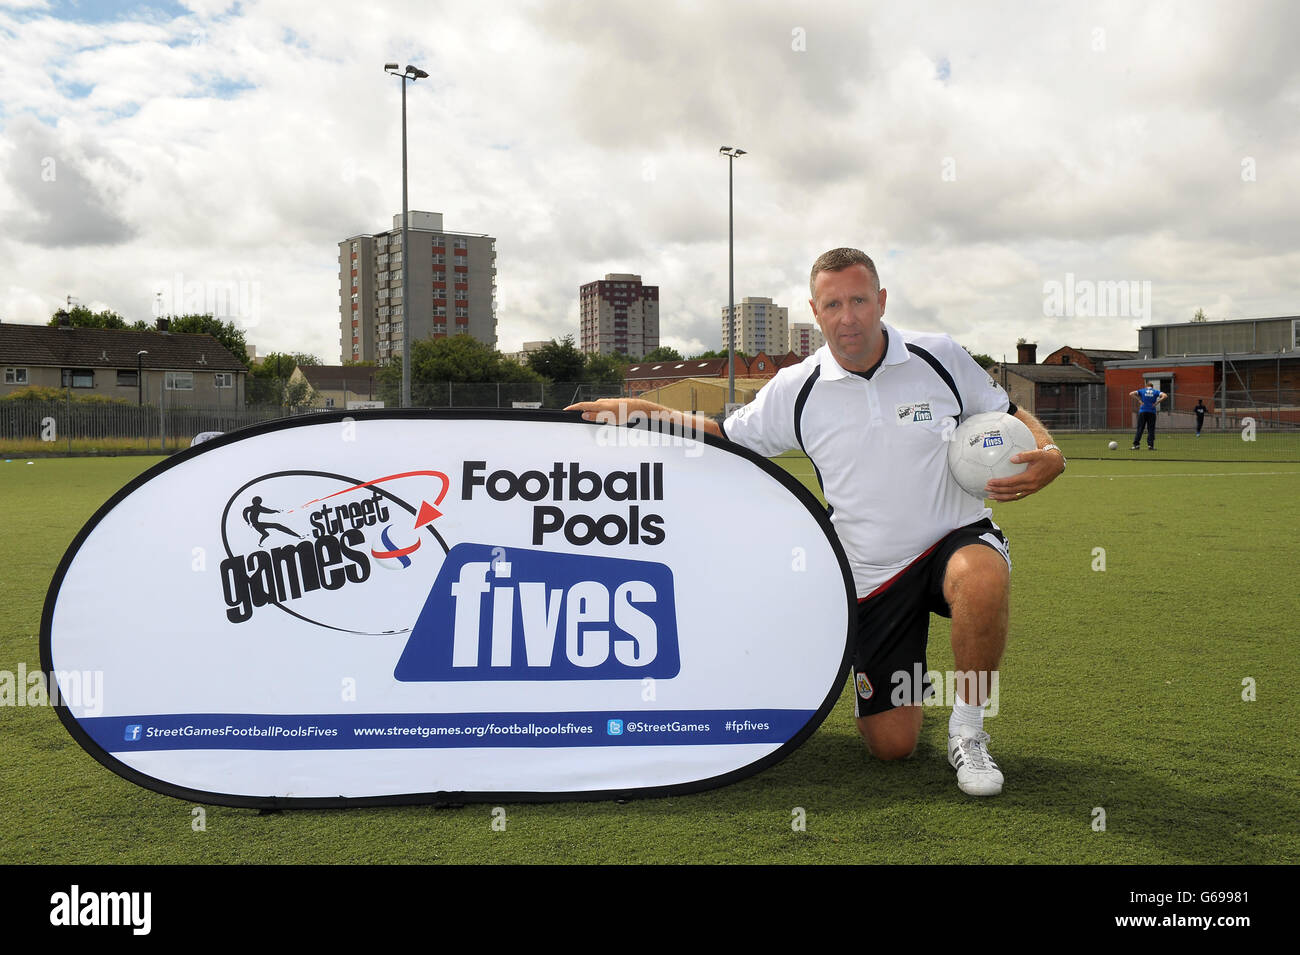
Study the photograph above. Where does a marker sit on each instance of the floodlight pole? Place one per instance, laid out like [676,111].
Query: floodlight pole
[731,153]
[411,73]
[139,377]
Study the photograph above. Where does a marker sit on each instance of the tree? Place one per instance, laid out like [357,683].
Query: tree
[718,353]
[558,360]
[226,333]
[606,371]
[1200,316]
[456,358]
[664,353]
[282,364]
[83,317]
[985,361]
[271,382]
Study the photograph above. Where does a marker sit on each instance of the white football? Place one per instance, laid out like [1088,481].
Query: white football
[1114,445]
[981,449]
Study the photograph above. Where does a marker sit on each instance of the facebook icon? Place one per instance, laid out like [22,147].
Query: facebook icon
[132,732]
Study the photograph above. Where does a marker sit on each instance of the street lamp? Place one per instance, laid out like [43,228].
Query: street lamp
[731,152]
[410,74]
[139,376]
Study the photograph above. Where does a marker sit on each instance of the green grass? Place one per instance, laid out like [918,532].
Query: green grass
[13,447]
[1121,689]
[1274,446]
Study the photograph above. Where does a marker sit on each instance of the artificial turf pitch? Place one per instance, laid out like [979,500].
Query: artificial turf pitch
[1121,703]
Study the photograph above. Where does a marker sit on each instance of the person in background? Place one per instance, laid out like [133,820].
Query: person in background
[1149,399]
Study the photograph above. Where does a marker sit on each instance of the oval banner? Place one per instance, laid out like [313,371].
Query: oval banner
[395,607]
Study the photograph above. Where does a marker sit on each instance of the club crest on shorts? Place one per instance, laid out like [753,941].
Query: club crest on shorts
[864,686]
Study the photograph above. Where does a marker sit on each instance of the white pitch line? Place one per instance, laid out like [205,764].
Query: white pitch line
[1178,474]
[1189,474]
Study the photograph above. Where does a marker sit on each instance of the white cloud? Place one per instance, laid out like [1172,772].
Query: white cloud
[244,143]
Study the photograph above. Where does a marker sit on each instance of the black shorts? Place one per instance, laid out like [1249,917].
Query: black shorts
[894,621]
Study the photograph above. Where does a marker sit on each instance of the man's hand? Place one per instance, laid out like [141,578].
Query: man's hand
[622,410]
[614,410]
[1044,468]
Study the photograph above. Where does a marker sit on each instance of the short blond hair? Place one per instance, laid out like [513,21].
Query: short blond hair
[837,260]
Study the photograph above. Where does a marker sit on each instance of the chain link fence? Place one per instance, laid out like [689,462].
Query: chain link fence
[76,426]
[1236,426]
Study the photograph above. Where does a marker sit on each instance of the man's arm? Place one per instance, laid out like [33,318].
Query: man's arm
[622,410]
[1044,466]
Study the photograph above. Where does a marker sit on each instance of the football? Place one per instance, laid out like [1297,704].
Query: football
[1114,445]
[981,449]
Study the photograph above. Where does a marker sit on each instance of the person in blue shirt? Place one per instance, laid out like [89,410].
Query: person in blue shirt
[1149,398]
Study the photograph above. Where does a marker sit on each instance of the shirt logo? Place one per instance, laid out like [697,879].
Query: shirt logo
[914,411]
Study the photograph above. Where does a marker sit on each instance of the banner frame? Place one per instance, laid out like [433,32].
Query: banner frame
[667,428]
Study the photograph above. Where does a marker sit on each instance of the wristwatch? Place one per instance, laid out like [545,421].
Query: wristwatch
[1052,447]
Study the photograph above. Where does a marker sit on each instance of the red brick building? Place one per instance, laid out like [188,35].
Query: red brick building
[647,376]
[1062,394]
[1240,368]
[1093,359]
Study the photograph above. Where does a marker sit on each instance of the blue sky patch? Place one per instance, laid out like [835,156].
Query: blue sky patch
[107,11]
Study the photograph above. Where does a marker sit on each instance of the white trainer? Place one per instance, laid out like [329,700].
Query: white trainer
[977,774]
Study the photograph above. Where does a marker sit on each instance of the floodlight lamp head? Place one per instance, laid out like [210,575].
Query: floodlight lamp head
[390,66]
[416,73]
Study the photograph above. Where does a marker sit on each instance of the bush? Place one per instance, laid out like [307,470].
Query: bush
[42,393]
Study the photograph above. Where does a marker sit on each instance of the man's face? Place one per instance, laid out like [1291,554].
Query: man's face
[848,308]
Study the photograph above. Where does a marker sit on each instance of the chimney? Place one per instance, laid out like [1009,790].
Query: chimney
[64,319]
[1026,352]
[164,324]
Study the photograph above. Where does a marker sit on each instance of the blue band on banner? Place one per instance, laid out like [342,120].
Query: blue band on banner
[277,731]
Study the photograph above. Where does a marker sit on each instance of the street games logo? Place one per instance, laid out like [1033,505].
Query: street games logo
[474,611]
[293,537]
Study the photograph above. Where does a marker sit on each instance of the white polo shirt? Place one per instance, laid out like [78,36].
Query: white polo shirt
[879,445]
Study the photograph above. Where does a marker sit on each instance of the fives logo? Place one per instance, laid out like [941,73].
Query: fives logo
[986,439]
[497,614]
[292,557]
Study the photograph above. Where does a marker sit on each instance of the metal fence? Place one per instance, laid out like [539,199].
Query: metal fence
[1226,411]
[69,426]
[72,426]
[504,394]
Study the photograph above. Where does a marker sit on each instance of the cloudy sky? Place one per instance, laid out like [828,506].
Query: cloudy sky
[979,152]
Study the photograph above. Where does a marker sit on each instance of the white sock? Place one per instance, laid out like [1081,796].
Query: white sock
[967,717]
